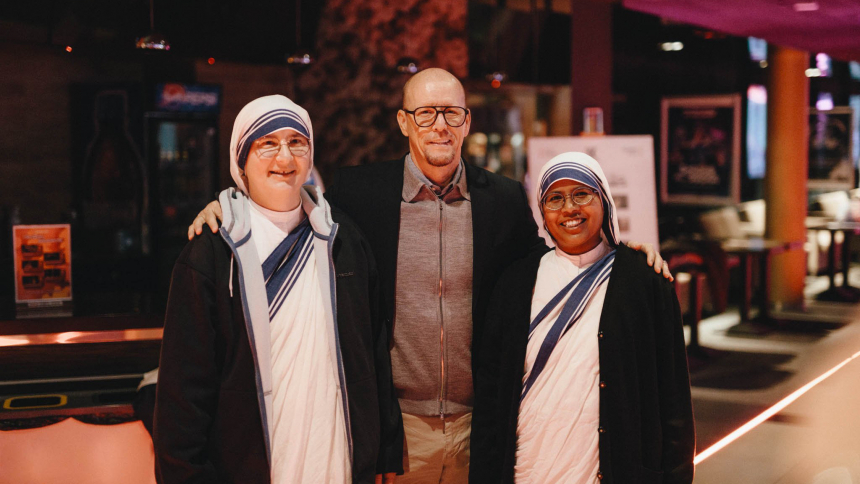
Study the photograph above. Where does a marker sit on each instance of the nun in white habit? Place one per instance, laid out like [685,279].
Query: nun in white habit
[263,344]
[583,378]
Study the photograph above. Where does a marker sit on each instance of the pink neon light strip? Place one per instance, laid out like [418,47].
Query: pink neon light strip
[769,412]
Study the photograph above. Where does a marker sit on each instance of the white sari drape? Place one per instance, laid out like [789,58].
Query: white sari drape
[309,442]
[557,428]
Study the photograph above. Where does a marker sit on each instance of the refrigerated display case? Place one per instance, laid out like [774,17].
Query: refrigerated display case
[182,156]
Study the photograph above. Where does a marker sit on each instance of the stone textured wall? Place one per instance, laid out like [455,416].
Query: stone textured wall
[353,91]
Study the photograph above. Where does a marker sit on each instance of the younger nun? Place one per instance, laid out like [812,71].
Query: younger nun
[583,373]
[274,363]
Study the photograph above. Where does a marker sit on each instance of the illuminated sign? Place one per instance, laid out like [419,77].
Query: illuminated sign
[187,98]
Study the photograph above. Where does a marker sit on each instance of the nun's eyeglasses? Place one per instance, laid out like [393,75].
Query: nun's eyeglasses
[270,147]
[580,196]
[425,116]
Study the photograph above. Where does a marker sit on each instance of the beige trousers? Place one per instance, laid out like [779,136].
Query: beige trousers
[436,450]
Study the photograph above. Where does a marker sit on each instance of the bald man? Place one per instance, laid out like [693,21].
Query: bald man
[442,231]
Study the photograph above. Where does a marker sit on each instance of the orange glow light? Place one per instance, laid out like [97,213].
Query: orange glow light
[211,60]
[496,83]
[769,412]
[68,48]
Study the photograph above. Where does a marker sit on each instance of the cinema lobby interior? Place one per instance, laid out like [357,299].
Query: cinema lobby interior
[729,131]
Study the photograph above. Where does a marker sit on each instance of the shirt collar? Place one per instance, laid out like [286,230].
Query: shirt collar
[414,180]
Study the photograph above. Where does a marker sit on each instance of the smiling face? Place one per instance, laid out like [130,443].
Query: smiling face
[275,183]
[436,148]
[574,228]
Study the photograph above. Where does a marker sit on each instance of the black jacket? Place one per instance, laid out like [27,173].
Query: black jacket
[207,419]
[645,408]
[503,228]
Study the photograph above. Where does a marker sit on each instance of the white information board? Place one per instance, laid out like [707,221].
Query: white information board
[628,162]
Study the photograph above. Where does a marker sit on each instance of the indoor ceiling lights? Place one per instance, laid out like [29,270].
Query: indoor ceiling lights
[407,65]
[152,40]
[300,57]
[496,79]
[671,46]
[805,6]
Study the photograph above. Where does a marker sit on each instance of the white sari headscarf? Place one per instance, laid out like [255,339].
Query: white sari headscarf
[584,169]
[259,118]
[559,413]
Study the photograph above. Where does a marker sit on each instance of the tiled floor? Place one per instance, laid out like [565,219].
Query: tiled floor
[815,439]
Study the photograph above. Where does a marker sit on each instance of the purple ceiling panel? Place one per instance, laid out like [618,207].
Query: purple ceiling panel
[831,26]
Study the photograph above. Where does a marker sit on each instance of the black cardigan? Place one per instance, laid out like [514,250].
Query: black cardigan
[207,420]
[503,228]
[646,413]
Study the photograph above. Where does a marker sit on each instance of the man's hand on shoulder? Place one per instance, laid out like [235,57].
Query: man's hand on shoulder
[653,257]
[211,215]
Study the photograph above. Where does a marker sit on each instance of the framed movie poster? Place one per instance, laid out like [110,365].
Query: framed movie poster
[700,152]
[830,165]
[43,263]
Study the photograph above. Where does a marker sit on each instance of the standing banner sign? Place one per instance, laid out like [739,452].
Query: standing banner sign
[43,263]
[627,161]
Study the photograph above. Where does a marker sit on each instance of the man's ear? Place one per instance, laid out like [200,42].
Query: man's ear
[403,122]
[468,124]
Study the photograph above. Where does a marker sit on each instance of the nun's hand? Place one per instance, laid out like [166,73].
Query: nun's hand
[654,259]
[210,216]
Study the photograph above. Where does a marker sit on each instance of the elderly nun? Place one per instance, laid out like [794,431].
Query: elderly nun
[274,363]
[583,375]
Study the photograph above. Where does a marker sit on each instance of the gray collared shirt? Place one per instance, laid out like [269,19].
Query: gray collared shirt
[431,357]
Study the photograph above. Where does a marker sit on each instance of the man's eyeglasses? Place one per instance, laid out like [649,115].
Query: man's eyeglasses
[425,116]
[270,147]
[580,196]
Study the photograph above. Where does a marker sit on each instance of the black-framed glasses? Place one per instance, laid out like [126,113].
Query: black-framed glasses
[580,196]
[425,116]
[269,147]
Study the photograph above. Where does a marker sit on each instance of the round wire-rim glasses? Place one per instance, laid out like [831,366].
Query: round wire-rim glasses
[425,116]
[270,147]
[579,196]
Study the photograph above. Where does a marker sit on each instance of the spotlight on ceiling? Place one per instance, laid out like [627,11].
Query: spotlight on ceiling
[301,58]
[152,40]
[671,46]
[805,6]
[407,65]
[496,79]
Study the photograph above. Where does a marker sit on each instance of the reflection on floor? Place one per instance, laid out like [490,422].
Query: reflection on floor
[815,439]
[73,452]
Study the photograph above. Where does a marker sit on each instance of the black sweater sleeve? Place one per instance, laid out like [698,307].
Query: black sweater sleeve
[487,421]
[187,391]
[676,410]
[390,419]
